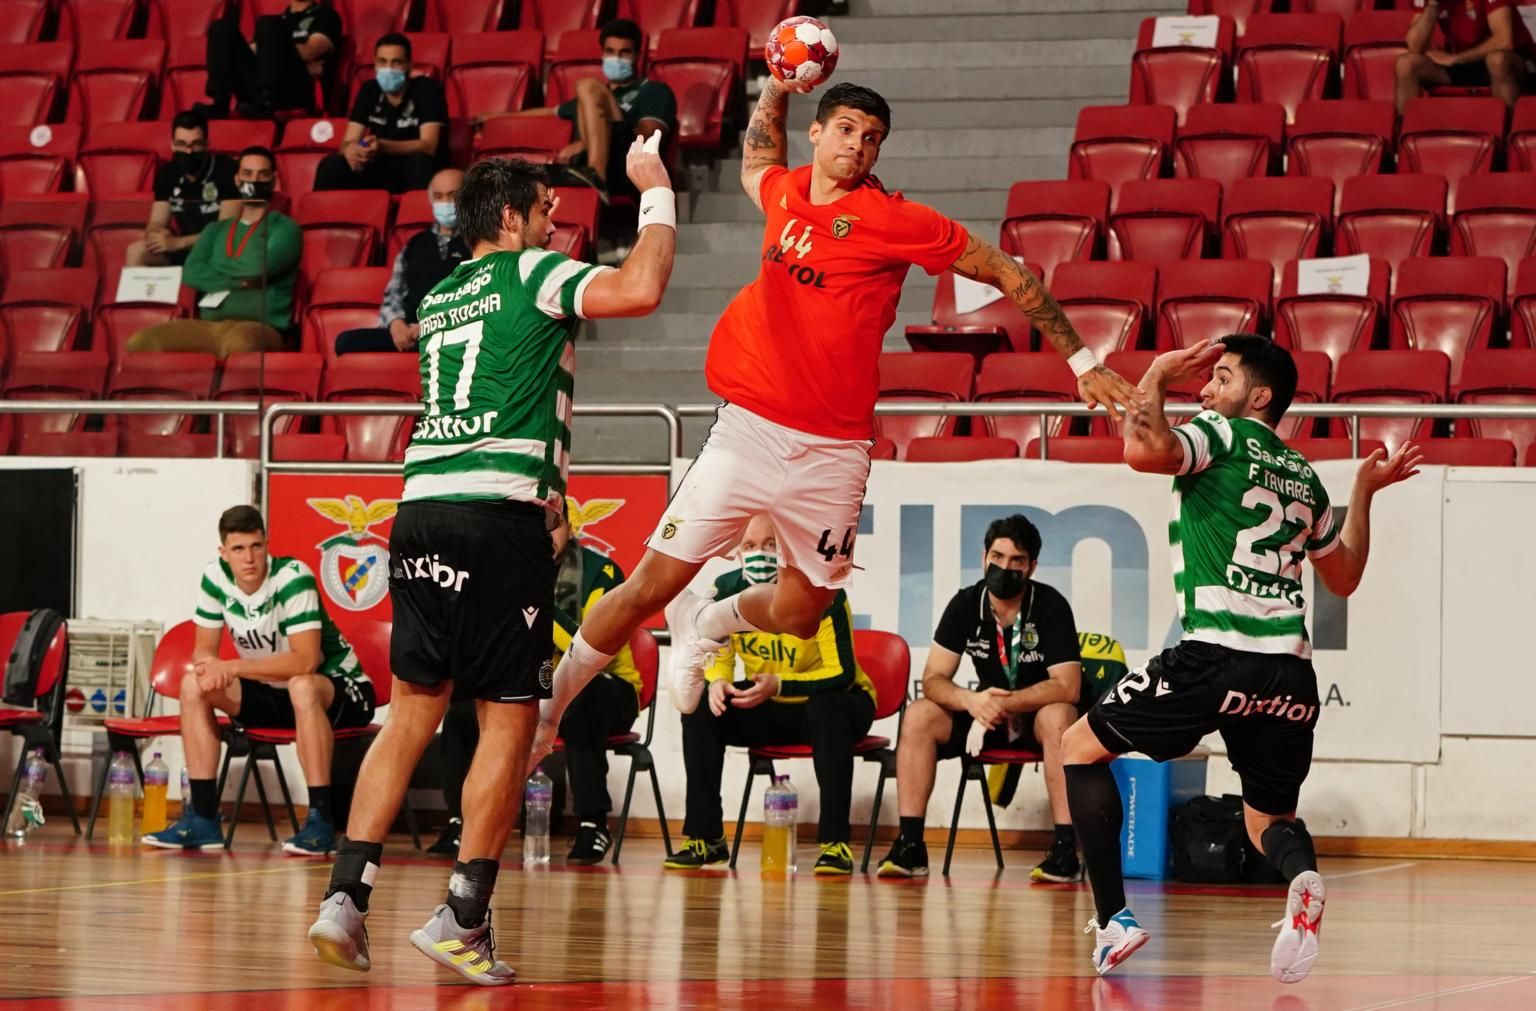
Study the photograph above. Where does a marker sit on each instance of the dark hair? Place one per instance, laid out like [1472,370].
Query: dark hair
[257,149]
[490,187]
[1266,364]
[620,28]
[394,39]
[189,119]
[241,519]
[853,96]
[1017,529]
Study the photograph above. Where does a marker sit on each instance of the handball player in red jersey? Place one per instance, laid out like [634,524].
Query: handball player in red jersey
[795,358]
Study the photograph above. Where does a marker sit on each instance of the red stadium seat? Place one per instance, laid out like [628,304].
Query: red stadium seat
[1314,372]
[1337,448]
[656,16]
[1496,216]
[36,160]
[1339,139]
[231,136]
[1447,303]
[757,16]
[271,378]
[1238,10]
[186,74]
[1108,303]
[58,375]
[1162,221]
[461,17]
[702,66]
[576,54]
[882,449]
[342,228]
[578,208]
[171,19]
[1373,40]
[1469,452]
[537,139]
[1199,301]
[492,72]
[1392,377]
[67,210]
[1080,449]
[366,20]
[384,377]
[33,247]
[996,326]
[121,157]
[46,310]
[106,251]
[1287,58]
[1040,377]
[1118,143]
[67,286]
[1451,137]
[960,449]
[1344,8]
[1522,306]
[1179,76]
[1276,220]
[1051,223]
[918,376]
[160,375]
[22,20]
[305,142]
[1499,377]
[555,17]
[341,299]
[113,81]
[1522,136]
[1229,142]
[1333,323]
[34,77]
[1390,217]
[88,21]
[116,322]
[414,214]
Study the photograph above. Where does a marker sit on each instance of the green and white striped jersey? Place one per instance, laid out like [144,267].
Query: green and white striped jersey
[260,623]
[1246,508]
[497,373]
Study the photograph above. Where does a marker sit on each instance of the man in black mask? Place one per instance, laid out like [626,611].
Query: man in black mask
[1022,641]
[192,191]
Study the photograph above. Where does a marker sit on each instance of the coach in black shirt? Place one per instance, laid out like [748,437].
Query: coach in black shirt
[395,129]
[1022,641]
[192,191]
[289,54]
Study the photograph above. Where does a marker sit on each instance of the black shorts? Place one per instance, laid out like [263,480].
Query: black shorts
[264,706]
[1264,704]
[473,589]
[1469,75]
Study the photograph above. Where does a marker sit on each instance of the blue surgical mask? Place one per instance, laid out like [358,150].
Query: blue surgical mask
[390,79]
[617,68]
[446,214]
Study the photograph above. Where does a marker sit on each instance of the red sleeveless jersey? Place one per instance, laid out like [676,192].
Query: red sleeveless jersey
[800,345]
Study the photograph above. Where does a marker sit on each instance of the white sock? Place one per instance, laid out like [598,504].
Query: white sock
[719,620]
[578,667]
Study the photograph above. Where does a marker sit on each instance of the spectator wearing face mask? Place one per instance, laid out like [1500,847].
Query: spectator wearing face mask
[420,266]
[608,114]
[394,131]
[795,691]
[192,191]
[245,269]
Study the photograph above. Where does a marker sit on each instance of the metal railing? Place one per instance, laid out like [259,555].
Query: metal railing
[219,409]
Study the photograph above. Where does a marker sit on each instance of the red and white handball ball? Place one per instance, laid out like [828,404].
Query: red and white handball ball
[801,49]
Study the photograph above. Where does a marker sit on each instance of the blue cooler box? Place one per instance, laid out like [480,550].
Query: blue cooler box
[1148,793]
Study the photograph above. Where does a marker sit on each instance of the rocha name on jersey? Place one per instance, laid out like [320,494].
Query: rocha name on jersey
[460,314]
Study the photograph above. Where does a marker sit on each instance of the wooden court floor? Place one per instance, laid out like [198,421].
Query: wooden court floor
[86,927]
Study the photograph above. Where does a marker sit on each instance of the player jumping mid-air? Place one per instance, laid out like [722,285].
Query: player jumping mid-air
[795,358]
[1246,510]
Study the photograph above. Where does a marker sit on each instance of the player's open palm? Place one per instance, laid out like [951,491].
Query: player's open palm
[1104,387]
[1193,362]
[1380,470]
[644,166]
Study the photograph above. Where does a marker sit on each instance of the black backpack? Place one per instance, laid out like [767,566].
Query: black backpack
[24,663]
[1210,845]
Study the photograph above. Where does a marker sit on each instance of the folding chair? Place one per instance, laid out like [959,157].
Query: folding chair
[42,725]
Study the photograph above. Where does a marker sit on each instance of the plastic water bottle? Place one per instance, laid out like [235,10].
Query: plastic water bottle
[29,807]
[781,809]
[537,797]
[157,778]
[120,784]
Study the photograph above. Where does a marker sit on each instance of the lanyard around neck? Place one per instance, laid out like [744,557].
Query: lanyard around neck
[230,249]
[1010,650]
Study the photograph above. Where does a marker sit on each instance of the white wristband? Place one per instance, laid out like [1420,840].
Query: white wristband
[658,206]
[1082,361]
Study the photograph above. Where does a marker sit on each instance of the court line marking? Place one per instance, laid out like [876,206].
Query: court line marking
[1431,995]
[1371,870]
[157,881]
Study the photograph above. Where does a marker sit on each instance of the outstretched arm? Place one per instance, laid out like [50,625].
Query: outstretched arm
[1341,568]
[766,145]
[636,288]
[987,264]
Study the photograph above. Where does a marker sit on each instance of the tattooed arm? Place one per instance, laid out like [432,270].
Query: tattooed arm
[765,145]
[987,264]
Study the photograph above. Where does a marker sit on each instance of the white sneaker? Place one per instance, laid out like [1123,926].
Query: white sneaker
[339,934]
[470,953]
[1296,948]
[690,651]
[1116,942]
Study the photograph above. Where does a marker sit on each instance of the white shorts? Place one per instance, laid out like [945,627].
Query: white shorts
[812,487]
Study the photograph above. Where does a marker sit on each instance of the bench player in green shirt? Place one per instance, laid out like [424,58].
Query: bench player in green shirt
[1246,510]
[472,572]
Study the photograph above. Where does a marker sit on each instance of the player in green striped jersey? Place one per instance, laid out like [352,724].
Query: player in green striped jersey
[472,572]
[1246,510]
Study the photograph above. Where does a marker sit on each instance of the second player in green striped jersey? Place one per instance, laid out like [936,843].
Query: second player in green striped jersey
[497,376]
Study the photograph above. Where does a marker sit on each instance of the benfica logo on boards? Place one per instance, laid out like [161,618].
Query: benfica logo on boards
[354,564]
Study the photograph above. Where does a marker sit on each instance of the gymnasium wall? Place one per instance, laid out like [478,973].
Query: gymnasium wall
[1425,673]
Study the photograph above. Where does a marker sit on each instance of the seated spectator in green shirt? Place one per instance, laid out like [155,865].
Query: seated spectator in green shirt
[610,114]
[245,268]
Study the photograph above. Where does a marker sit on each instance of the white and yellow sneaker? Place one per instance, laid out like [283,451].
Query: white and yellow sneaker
[1296,948]
[470,953]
